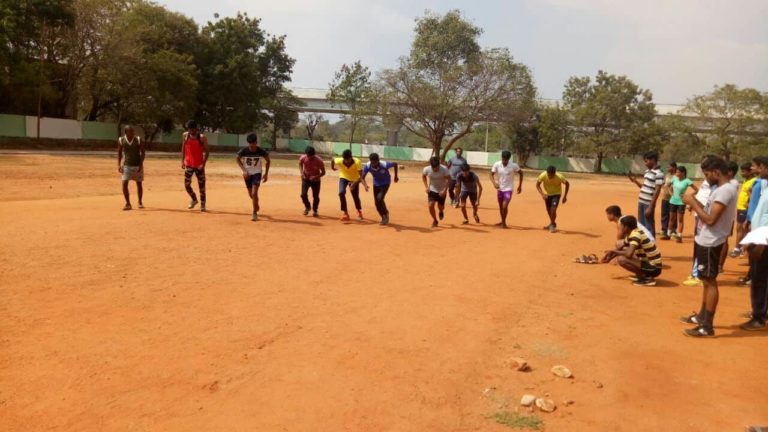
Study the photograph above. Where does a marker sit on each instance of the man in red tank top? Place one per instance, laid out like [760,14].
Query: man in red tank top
[194,155]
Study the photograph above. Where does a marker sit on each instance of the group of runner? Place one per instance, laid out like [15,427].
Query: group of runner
[718,203]
[456,180]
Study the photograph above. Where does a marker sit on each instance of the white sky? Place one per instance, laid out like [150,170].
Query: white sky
[675,48]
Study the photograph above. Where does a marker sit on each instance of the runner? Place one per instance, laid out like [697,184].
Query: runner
[249,160]
[381,181]
[716,220]
[468,186]
[130,163]
[666,194]
[436,188]
[194,155]
[505,170]
[312,169]
[680,183]
[553,188]
[639,254]
[454,166]
[741,208]
[650,189]
[349,176]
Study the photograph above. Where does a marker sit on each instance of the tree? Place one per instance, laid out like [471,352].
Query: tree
[448,84]
[242,69]
[351,86]
[284,116]
[727,114]
[32,50]
[613,113]
[312,121]
[555,131]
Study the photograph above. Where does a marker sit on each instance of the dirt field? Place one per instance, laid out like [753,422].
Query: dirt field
[165,319]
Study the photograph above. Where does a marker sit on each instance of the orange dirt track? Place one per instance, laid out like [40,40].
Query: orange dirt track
[165,319]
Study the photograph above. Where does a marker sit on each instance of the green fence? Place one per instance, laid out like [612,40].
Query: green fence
[13,126]
[99,131]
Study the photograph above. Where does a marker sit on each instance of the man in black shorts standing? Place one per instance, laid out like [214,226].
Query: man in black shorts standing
[553,183]
[714,228]
[436,187]
[249,160]
[468,186]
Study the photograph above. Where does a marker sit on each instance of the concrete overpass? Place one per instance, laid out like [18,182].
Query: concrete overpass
[316,102]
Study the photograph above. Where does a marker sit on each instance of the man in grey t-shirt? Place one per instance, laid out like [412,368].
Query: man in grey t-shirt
[714,228]
[454,166]
[436,188]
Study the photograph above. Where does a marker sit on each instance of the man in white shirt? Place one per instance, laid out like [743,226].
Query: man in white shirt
[505,170]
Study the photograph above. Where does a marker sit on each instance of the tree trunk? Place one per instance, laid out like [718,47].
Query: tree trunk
[352,134]
[599,165]
[274,138]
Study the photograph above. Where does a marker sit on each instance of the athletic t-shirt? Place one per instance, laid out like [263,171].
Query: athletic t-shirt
[352,172]
[252,159]
[678,188]
[645,247]
[311,166]
[456,163]
[381,174]
[468,183]
[717,234]
[760,216]
[193,151]
[651,179]
[505,175]
[744,194]
[437,180]
[705,190]
[554,185]
[131,151]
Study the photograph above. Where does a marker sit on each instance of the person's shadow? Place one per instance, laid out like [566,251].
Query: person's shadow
[229,213]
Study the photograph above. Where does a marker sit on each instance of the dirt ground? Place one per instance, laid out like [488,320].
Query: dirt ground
[165,319]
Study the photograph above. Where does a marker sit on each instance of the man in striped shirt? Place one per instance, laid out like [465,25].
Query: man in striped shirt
[650,188]
[639,254]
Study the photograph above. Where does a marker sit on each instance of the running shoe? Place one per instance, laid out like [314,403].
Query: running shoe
[700,332]
[314,214]
[202,207]
[548,227]
[141,206]
[127,207]
[753,325]
[679,238]
[385,219]
[693,282]
[553,228]
[255,216]
[466,222]
[192,204]
[360,214]
[345,217]
[691,319]
[306,212]
[477,218]
[645,282]
[434,224]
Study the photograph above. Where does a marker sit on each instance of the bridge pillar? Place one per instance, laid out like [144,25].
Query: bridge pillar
[392,126]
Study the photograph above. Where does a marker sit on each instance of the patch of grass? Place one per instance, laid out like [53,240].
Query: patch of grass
[517,421]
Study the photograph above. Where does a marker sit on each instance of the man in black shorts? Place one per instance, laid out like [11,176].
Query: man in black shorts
[553,183]
[249,161]
[436,187]
[714,227]
[468,186]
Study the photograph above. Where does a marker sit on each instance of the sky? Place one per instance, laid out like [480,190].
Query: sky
[675,48]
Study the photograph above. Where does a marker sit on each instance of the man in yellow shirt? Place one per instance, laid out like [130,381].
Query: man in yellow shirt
[350,170]
[742,205]
[553,183]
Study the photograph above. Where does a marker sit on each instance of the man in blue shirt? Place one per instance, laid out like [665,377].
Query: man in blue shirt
[381,181]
